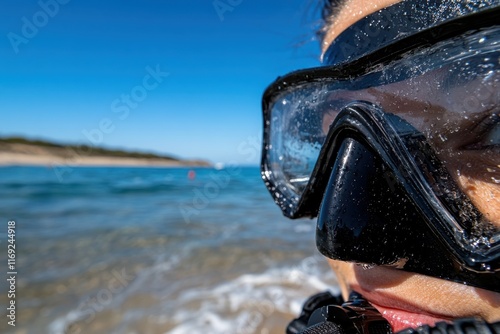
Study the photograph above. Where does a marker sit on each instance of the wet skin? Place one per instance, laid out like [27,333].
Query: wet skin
[407,299]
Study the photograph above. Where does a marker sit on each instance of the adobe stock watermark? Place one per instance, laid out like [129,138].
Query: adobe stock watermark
[104,297]
[122,105]
[263,308]
[219,180]
[31,26]
[223,6]
[260,310]
[202,196]
[120,109]
[114,291]
[250,148]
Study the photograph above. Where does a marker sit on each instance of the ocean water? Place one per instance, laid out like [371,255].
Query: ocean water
[153,250]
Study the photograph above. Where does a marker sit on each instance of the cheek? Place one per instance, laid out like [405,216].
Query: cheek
[484,195]
[345,274]
[477,175]
[328,119]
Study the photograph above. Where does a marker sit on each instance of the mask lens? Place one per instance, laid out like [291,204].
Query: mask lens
[296,136]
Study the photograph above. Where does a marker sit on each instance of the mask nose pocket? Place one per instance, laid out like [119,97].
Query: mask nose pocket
[366,215]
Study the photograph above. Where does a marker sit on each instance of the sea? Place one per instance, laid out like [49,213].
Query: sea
[151,250]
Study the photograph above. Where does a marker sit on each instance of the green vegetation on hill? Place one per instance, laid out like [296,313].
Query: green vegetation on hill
[89,150]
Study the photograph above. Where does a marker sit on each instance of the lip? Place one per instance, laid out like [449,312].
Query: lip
[401,314]
[400,319]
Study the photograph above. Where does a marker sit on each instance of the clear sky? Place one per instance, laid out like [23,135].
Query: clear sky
[182,77]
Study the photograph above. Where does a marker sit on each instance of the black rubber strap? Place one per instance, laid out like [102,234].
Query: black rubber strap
[324,328]
[319,300]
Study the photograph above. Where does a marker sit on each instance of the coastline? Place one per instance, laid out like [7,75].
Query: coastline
[33,155]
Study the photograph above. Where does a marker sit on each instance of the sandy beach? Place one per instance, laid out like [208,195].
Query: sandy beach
[32,155]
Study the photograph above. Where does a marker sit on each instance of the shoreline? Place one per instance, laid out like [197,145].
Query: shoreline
[32,155]
[18,159]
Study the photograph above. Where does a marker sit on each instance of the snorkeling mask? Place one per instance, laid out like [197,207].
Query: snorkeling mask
[394,144]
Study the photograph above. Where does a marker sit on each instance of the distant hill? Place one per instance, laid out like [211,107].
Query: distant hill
[22,151]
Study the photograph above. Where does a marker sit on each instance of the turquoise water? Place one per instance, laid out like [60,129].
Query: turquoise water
[153,250]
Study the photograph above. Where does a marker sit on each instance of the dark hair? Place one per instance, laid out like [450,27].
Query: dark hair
[329,11]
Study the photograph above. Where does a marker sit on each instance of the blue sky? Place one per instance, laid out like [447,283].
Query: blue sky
[178,77]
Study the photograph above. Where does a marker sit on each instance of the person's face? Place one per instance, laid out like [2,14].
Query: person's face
[408,299]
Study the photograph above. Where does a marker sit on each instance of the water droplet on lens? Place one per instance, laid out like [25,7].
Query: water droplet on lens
[443,138]
[486,267]
[365,266]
